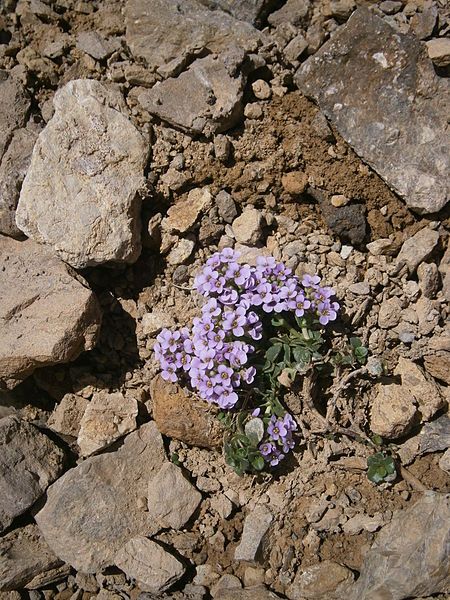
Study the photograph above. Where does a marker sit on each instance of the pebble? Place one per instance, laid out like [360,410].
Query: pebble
[256,525]
[439,51]
[339,200]
[261,89]
[346,251]
[222,148]
[360,289]
[154,321]
[226,206]
[418,248]
[181,252]
[247,228]
[253,111]
[390,313]
[294,182]
[389,7]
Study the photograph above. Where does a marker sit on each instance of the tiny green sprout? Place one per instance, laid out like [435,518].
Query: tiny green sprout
[381,468]
[175,459]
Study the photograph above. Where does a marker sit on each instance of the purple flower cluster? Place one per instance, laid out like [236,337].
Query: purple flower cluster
[280,440]
[211,354]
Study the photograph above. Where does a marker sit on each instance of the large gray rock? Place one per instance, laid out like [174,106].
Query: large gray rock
[254,535]
[409,557]
[207,98]
[13,168]
[244,10]
[80,193]
[96,508]
[14,106]
[48,314]
[163,30]
[326,580]
[29,462]
[23,556]
[154,569]
[380,90]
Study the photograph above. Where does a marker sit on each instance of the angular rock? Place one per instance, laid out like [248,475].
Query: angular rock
[95,509]
[390,313]
[29,463]
[80,193]
[425,392]
[154,321]
[327,580]
[183,215]
[14,106]
[181,252]
[66,416]
[226,206]
[107,418]
[48,313]
[170,29]
[347,222]
[154,569]
[48,578]
[242,10]
[94,44]
[254,535]
[172,499]
[409,557]
[23,556]
[418,248]
[393,411]
[184,417]
[380,90]
[213,102]
[438,365]
[248,227]
[439,51]
[13,169]
[433,437]
[293,11]
[259,592]
[444,270]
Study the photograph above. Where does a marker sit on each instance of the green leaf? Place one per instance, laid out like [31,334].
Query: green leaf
[355,342]
[258,463]
[273,352]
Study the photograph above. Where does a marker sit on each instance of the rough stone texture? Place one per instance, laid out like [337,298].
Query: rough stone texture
[94,44]
[439,51]
[13,168]
[259,592]
[29,462]
[107,418]
[248,227]
[327,580]
[66,416]
[425,392]
[226,206]
[206,98]
[182,215]
[433,437]
[80,193]
[154,321]
[154,569]
[294,11]
[347,222]
[14,105]
[418,248]
[23,555]
[181,416]
[256,525]
[380,90]
[172,499]
[93,509]
[410,555]
[444,270]
[169,29]
[243,10]
[48,313]
[390,313]
[393,411]
[438,365]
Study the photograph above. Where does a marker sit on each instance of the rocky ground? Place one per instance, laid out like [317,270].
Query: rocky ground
[138,137]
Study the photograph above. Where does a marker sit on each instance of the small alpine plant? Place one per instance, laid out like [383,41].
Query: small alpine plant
[259,327]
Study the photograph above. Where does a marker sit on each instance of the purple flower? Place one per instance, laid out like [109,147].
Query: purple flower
[327,312]
[275,458]
[168,373]
[276,429]
[168,340]
[256,412]
[310,281]
[266,448]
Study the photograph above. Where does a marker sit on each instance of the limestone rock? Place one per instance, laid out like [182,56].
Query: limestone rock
[380,90]
[24,555]
[438,365]
[248,227]
[172,499]
[154,569]
[433,437]
[94,44]
[66,416]
[327,580]
[80,193]
[409,557]
[390,313]
[183,215]
[418,248]
[48,313]
[243,10]
[107,418]
[93,510]
[29,462]
[206,98]
[424,391]
[170,29]
[393,411]
[259,592]
[254,535]
[181,416]
[13,168]
[14,106]
[439,51]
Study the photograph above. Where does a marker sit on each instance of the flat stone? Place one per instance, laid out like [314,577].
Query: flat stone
[172,499]
[23,556]
[390,313]
[293,11]
[438,365]
[362,288]
[439,51]
[181,252]
[347,222]
[369,81]
[213,104]
[326,580]
[14,106]
[226,582]
[422,24]
[66,416]
[393,411]
[424,390]
[154,569]
[226,206]
[94,44]
[409,557]
[183,215]
[183,417]
[243,10]
[29,462]
[418,248]
[170,29]
[259,592]
[444,270]
[154,321]
[433,437]
[256,525]
[93,510]
[49,315]
[13,168]
[390,7]
[248,227]
[79,196]
[107,418]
